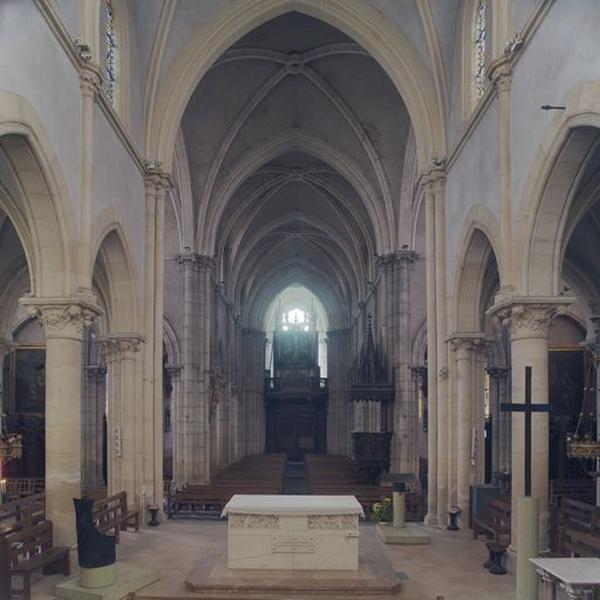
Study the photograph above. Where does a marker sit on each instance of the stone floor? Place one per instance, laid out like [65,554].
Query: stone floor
[450,567]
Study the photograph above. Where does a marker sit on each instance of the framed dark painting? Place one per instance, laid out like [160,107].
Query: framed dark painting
[29,380]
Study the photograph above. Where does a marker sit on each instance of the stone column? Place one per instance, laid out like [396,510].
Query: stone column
[124,434]
[464,347]
[442,397]
[94,402]
[156,183]
[497,375]
[186,418]
[529,320]
[404,452]
[89,81]
[432,365]
[253,398]
[64,321]
[501,76]
[338,427]
[175,372]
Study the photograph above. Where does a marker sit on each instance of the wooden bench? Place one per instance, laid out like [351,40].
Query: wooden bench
[579,529]
[16,488]
[583,490]
[495,521]
[259,474]
[22,513]
[112,514]
[24,551]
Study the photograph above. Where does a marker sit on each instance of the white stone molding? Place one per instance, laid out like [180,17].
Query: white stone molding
[529,317]
[62,317]
[241,521]
[349,522]
[121,345]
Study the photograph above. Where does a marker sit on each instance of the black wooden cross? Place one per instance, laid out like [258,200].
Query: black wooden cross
[528,408]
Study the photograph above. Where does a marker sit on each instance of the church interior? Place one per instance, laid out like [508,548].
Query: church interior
[299,298]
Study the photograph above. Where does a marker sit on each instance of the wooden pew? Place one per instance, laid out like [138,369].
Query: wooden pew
[22,513]
[16,488]
[579,529]
[495,521]
[112,514]
[261,474]
[583,490]
[24,551]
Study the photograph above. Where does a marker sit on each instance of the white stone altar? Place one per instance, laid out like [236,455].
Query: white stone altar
[577,578]
[293,532]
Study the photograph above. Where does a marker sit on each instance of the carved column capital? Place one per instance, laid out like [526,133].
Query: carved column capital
[155,178]
[121,345]
[433,179]
[62,317]
[497,373]
[175,371]
[530,317]
[464,344]
[500,74]
[90,80]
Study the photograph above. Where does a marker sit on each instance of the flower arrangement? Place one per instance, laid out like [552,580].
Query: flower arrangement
[382,512]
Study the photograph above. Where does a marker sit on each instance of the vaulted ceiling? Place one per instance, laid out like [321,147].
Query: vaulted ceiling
[296,144]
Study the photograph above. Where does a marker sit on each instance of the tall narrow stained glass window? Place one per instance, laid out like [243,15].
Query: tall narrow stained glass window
[479,51]
[110,53]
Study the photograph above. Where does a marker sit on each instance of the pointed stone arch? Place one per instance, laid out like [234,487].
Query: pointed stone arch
[557,177]
[390,48]
[33,194]
[113,265]
[478,254]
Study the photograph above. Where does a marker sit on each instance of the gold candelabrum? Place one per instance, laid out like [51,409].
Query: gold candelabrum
[11,446]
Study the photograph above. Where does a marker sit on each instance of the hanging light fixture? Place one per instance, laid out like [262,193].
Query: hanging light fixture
[583,443]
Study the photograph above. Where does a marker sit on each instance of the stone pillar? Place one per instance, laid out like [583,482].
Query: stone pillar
[404,451]
[464,348]
[64,321]
[442,396]
[175,372]
[253,398]
[432,366]
[89,81]
[338,427]
[124,434]
[501,76]
[94,402]
[156,183]
[497,376]
[529,320]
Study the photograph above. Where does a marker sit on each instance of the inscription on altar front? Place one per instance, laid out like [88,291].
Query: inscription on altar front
[294,545]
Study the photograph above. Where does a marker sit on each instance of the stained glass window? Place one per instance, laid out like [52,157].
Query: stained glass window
[110,53]
[480,35]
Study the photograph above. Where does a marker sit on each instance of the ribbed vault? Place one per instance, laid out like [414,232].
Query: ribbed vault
[296,142]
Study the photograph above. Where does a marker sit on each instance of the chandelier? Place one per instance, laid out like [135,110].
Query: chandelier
[11,444]
[583,443]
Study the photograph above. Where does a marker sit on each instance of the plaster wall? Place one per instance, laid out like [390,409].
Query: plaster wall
[33,65]
[405,15]
[118,184]
[473,179]
[70,14]
[143,23]
[563,53]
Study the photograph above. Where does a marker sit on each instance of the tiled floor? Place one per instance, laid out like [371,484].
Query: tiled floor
[450,567]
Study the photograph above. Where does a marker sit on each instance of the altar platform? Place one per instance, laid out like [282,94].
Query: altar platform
[451,566]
